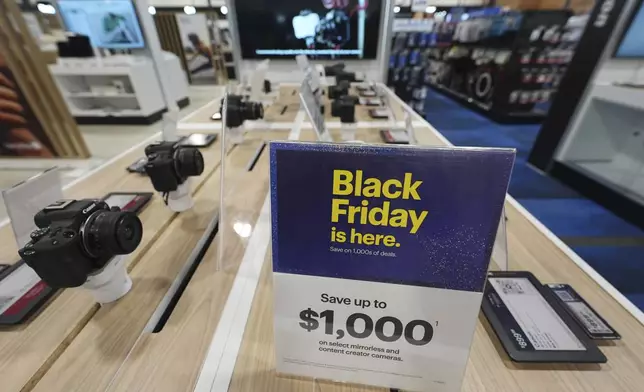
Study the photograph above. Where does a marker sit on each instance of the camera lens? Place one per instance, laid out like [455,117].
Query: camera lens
[189,162]
[252,110]
[112,233]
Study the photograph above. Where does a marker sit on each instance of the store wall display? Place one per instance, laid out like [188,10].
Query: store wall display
[109,24]
[502,64]
[21,133]
[188,36]
[590,48]
[193,30]
[632,44]
[317,28]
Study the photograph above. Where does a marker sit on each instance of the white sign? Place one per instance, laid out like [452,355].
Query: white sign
[383,334]
[312,105]
[27,198]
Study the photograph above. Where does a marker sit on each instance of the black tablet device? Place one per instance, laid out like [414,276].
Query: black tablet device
[531,325]
[370,101]
[594,325]
[367,93]
[22,293]
[128,201]
[394,136]
[198,140]
[379,113]
[138,166]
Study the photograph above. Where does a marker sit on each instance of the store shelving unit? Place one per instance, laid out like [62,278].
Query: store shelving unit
[117,90]
[510,78]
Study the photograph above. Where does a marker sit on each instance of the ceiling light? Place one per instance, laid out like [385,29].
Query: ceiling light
[46,9]
[224,10]
[430,10]
[396,9]
[190,10]
[152,10]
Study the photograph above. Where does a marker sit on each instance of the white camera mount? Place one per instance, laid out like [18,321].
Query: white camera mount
[111,282]
[180,200]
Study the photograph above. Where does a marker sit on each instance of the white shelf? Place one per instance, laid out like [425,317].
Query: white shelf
[80,83]
[89,94]
[627,96]
[103,113]
[85,71]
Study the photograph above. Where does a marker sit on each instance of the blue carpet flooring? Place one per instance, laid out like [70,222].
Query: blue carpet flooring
[613,247]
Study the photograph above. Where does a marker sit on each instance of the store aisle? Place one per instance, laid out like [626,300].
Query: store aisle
[613,247]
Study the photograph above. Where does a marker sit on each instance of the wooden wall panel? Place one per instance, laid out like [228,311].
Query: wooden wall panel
[29,67]
[170,38]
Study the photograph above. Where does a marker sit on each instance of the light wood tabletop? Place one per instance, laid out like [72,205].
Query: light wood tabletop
[75,345]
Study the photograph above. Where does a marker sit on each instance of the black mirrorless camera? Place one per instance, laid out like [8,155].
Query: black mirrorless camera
[78,237]
[240,110]
[340,89]
[169,165]
[345,108]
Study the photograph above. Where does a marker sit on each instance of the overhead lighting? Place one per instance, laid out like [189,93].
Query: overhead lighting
[224,10]
[430,10]
[152,10]
[243,229]
[465,17]
[189,10]
[46,9]
[396,9]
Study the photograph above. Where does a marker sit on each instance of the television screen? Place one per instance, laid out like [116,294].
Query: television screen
[320,29]
[632,45]
[110,24]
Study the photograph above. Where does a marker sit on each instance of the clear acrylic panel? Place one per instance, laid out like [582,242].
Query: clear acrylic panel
[500,249]
[26,199]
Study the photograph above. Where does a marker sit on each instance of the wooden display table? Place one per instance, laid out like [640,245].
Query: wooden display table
[219,334]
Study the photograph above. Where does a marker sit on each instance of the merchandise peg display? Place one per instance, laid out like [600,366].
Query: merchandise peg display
[506,65]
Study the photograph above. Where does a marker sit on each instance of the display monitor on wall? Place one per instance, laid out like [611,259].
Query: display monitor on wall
[110,24]
[632,43]
[322,29]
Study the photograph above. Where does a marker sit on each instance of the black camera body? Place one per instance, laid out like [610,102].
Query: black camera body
[340,89]
[240,110]
[170,164]
[78,237]
[333,70]
[345,108]
[345,76]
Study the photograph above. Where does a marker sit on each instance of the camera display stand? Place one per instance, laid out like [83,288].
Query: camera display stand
[348,132]
[181,200]
[235,135]
[110,283]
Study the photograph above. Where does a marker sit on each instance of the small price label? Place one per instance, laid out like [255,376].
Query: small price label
[387,329]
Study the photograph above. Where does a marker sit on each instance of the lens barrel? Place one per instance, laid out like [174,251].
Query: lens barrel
[252,110]
[109,233]
[189,162]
